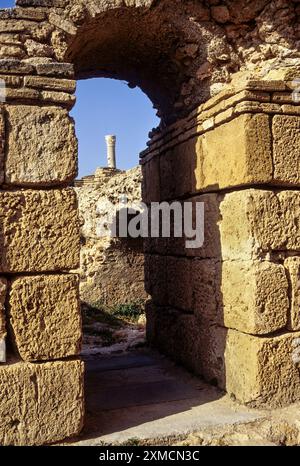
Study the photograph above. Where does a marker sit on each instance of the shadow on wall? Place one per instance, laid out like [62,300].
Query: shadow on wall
[185,315]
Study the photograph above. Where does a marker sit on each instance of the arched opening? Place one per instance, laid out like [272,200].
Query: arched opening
[226,307]
[112,289]
[145,50]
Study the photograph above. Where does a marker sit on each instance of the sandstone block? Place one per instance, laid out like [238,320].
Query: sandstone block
[179,287]
[262,371]
[151,181]
[39,231]
[205,283]
[235,153]
[14,66]
[44,316]
[2,144]
[292,265]
[40,403]
[286,149]
[156,278]
[58,98]
[179,161]
[175,334]
[67,85]
[12,51]
[55,69]
[255,222]
[3,290]
[253,296]
[42,146]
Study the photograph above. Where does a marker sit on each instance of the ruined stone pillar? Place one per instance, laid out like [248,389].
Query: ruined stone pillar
[111,151]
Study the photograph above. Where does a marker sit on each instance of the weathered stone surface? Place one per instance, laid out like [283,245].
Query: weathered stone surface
[205,285]
[44,316]
[292,265]
[12,80]
[253,296]
[235,153]
[111,269]
[286,146]
[39,82]
[58,98]
[55,69]
[255,222]
[42,146]
[12,51]
[3,290]
[39,231]
[35,49]
[2,138]
[14,66]
[151,181]
[262,370]
[258,371]
[40,403]
[179,287]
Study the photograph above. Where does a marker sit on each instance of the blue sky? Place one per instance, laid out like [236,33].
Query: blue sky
[107,106]
[7,3]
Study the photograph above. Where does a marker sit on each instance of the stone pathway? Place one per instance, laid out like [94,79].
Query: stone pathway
[142,395]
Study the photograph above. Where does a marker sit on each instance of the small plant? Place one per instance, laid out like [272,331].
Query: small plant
[130,312]
[132,442]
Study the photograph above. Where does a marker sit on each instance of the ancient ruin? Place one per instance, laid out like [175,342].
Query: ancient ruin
[111,269]
[221,75]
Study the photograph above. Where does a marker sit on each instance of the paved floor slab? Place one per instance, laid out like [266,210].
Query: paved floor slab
[146,396]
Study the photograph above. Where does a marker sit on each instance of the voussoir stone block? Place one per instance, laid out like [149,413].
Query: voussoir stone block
[44,316]
[39,231]
[262,371]
[41,147]
[41,403]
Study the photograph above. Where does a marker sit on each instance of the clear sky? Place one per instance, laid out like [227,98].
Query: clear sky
[7,3]
[107,106]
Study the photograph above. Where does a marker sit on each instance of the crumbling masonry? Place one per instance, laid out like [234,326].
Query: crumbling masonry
[220,74]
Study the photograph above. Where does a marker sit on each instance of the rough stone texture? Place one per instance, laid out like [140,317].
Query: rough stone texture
[2,140]
[258,371]
[111,269]
[204,44]
[44,316]
[3,291]
[39,231]
[292,265]
[266,371]
[258,221]
[286,146]
[40,403]
[198,48]
[42,146]
[253,297]
[236,153]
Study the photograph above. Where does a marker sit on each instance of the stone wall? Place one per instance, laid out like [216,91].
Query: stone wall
[111,269]
[234,303]
[229,310]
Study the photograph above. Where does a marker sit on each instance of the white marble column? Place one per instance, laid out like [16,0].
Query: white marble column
[111,151]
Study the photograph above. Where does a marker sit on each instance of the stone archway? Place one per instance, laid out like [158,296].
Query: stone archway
[232,303]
